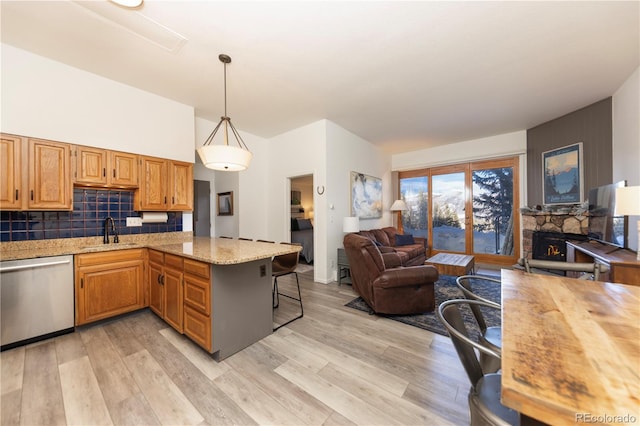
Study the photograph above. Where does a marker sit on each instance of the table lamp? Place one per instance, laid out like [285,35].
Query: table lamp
[398,206]
[350,224]
[628,204]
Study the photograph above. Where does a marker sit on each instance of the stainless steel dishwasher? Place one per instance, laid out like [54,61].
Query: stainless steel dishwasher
[36,299]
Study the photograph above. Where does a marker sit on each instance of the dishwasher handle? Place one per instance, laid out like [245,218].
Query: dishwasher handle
[33,266]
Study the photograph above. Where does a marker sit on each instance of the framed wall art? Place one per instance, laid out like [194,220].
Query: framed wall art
[562,181]
[225,203]
[366,196]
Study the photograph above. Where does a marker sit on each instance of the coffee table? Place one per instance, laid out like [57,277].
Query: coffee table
[452,264]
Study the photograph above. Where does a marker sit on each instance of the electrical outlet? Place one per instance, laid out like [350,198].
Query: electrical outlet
[134,221]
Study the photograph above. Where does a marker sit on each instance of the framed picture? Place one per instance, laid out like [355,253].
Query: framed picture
[366,196]
[225,203]
[562,175]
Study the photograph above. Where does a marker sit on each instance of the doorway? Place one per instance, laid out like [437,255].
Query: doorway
[201,208]
[302,213]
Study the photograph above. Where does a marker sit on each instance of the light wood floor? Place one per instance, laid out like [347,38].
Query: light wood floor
[335,366]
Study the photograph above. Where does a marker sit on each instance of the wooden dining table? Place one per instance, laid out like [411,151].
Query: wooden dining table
[570,349]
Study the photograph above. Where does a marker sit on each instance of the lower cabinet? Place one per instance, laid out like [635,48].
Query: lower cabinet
[180,293]
[108,284]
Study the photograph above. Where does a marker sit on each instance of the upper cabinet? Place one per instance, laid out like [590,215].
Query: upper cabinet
[166,185]
[100,167]
[37,174]
[180,186]
[50,186]
[10,173]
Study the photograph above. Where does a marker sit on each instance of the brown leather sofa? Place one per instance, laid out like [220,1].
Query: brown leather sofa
[386,286]
[411,254]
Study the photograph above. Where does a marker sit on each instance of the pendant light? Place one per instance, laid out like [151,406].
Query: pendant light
[225,157]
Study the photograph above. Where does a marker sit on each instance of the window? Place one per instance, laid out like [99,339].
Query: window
[466,208]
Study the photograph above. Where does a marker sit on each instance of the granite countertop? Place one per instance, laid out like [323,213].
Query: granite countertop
[218,251]
[223,251]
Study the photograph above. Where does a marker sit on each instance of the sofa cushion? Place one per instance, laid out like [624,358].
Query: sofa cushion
[404,240]
[381,236]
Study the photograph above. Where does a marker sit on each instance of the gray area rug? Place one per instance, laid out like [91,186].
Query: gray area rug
[446,289]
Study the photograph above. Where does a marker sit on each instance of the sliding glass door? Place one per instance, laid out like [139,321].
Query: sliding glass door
[467,208]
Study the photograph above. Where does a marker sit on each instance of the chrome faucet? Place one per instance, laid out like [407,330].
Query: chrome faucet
[113,230]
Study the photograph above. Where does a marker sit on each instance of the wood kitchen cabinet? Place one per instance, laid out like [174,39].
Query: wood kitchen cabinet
[35,174]
[49,165]
[104,168]
[180,293]
[11,193]
[166,185]
[108,284]
[197,302]
[166,288]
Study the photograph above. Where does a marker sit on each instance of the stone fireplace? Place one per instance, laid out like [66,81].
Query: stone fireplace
[556,225]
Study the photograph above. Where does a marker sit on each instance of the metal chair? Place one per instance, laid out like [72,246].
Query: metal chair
[484,395]
[489,336]
[591,271]
[282,265]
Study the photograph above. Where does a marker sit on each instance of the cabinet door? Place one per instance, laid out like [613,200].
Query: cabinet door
[153,188]
[91,166]
[124,169]
[103,291]
[181,186]
[173,298]
[10,173]
[49,175]
[156,289]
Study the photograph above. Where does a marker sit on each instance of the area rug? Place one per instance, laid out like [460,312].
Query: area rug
[446,289]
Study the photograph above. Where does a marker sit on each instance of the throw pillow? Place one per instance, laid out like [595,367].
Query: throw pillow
[404,240]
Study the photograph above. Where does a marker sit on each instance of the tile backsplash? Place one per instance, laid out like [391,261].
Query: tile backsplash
[90,208]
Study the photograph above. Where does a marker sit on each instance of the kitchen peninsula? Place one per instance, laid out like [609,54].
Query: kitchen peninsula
[215,291]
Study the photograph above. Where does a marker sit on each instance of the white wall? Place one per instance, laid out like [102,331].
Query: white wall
[347,152]
[47,99]
[298,152]
[626,141]
[507,144]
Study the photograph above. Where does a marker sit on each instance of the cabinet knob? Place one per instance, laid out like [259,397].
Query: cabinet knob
[81,282]
[104,172]
[17,194]
[32,195]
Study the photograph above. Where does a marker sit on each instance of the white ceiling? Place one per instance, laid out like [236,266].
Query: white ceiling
[402,75]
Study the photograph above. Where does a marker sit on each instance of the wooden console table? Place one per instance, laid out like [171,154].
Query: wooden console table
[623,265]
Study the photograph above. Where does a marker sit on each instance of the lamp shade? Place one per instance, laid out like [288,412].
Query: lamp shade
[350,224]
[226,158]
[398,205]
[628,201]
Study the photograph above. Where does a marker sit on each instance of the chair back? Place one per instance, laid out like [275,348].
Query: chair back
[450,316]
[591,270]
[464,283]
[285,263]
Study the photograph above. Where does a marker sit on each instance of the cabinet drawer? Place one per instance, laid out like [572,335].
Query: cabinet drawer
[173,261]
[107,257]
[156,257]
[198,327]
[197,294]
[200,269]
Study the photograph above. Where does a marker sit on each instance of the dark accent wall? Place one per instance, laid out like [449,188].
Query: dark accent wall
[591,125]
[90,208]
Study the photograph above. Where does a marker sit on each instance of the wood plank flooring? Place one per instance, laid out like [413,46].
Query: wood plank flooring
[335,366]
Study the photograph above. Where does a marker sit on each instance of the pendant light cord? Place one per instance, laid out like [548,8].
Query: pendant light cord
[225,89]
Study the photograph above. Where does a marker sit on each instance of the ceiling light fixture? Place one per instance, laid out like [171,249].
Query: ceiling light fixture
[225,157]
[128,3]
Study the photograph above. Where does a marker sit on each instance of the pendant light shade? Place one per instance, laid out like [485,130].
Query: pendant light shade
[225,157]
